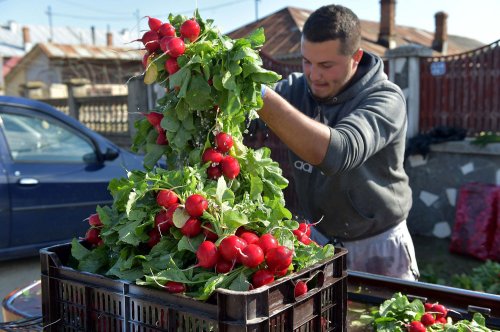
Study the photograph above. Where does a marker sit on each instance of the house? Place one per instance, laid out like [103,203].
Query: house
[283,32]
[42,58]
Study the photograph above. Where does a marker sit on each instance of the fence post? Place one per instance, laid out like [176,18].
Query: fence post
[137,101]
[404,70]
[73,107]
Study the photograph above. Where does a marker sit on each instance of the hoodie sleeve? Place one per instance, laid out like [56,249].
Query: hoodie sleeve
[378,120]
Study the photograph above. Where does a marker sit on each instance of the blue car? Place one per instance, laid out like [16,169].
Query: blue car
[54,171]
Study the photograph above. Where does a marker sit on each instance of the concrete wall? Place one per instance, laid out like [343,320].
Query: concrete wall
[436,180]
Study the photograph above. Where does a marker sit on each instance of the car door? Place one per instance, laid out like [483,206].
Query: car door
[54,177]
[4,201]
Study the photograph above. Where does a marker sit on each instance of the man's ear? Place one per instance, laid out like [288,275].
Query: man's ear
[358,55]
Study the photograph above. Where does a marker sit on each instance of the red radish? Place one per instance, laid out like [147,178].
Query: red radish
[207,254]
[251,256]
[304,239]
[166,198]
[163,43]
[416,326]
[231,246]
[262,277]
[94,220]
[174,287]
[211,155]
[190,29]
[267,241]
[154,237]
[208,232]
[300,288]
[195,205]
[223,266]
[428,306]
[150,40]
[162,221]
[279,258]
[166,30]
[230,167]
[249,237]
[175,47]
[223,142]
[214,172]
[162,137]
[192,227]
[427,319]
[440,310]
[304,228]
[281,273]
[92,236]
[154,118]
[154,23]
[171,65]
[145,59]
[441,320]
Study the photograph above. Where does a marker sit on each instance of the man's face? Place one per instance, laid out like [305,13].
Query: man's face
[326,70]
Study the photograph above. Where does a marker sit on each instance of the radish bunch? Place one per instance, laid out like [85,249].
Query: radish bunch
[221,163]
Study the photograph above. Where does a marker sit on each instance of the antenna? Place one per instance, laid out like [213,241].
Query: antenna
[257,9]
[49,14]
[138,17]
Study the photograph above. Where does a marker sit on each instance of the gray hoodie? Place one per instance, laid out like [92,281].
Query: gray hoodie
[360,189]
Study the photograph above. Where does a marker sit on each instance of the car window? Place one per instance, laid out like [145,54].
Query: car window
[38,139]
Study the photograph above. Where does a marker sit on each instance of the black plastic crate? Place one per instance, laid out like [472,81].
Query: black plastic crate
[79,301]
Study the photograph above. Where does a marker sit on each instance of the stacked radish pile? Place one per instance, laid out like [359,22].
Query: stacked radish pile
[214,215]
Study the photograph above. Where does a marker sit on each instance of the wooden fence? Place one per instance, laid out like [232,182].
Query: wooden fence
[461,90]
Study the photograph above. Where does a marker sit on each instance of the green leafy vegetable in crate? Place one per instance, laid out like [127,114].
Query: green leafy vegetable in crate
[400,314]
[215,217]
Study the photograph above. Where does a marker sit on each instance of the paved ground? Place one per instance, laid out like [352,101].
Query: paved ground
[432,254]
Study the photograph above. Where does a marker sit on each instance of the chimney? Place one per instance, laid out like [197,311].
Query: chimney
[26,39]
[440,42]
[92,34]
[109,38]
[387,33]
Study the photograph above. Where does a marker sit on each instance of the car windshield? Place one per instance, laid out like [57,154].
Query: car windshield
[38,139]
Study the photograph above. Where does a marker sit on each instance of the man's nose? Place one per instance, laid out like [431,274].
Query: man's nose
[315,73]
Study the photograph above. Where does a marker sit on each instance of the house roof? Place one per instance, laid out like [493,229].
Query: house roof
[283,32]
[12,44]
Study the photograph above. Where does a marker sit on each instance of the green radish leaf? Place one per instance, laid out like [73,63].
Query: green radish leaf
[180,217]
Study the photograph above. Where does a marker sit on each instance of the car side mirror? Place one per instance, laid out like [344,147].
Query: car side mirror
[110,154]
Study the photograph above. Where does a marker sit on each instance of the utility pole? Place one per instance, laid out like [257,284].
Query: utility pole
[138,18]
[49,14]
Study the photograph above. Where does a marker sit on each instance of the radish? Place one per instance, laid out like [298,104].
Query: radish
[441,320]
[154,118]
[154,237]
[171,65]
[162,221]
[427,319]
[231,246]
[230,167]
[211,155]
[154,23]
[251,256]
[190,29]
[95,221]
[150,40]
[223,142]
[145,59]
[163,43]
[223,266]
[281,273]
[304,228]
[428,306]
[249,237]
[92,236]
[214,172]
[440,310]
[174,287]
[207,254]
[175,47]
[162,137]
[192,227]
[208,232]
[300,288]
[279,258]
[166,198]
[166,30]
[195,205]
[262,277]
[416,326]
[304,239]
[267,241]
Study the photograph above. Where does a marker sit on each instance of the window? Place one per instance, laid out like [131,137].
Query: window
[38,139]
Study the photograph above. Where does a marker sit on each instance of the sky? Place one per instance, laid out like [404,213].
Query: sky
[475,19]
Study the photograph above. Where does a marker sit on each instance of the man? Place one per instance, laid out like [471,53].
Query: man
[345,124]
